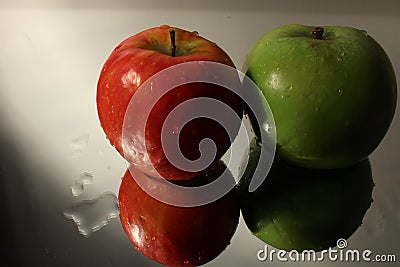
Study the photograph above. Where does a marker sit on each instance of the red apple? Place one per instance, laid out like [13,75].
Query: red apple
[178,236]
[135,61]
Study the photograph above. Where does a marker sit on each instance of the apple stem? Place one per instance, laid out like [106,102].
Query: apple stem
[173,45]
[317,32]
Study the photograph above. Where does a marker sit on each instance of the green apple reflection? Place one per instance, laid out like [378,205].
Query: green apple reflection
[298,209]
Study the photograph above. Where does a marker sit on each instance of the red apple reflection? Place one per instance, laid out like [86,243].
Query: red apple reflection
[178,236]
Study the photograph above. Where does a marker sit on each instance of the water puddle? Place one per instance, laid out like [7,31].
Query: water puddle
[92,215]
[78,187]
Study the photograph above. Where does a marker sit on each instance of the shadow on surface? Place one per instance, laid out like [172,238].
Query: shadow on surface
[17,230]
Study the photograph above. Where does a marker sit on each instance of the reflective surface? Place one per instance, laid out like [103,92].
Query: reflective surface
[51,56]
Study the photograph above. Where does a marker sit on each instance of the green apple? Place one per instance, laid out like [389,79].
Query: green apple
[332,91]
[298,209]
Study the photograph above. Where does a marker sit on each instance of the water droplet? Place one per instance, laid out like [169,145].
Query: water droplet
[78,144]
[267,127]
[365,33]
[115,49]
[375,228]
[79,184]
[107,85]
[342,53]
[290,88]
[278,69]
[195,33]
[75,153]
[340,91]
[92,215]
[153,238]
[176,131]
[186,262]
[165,26]
[141,155]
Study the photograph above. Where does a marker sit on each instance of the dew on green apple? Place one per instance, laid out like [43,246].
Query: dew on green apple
[92,215]
[364,32]
[326,72]
[267,127]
